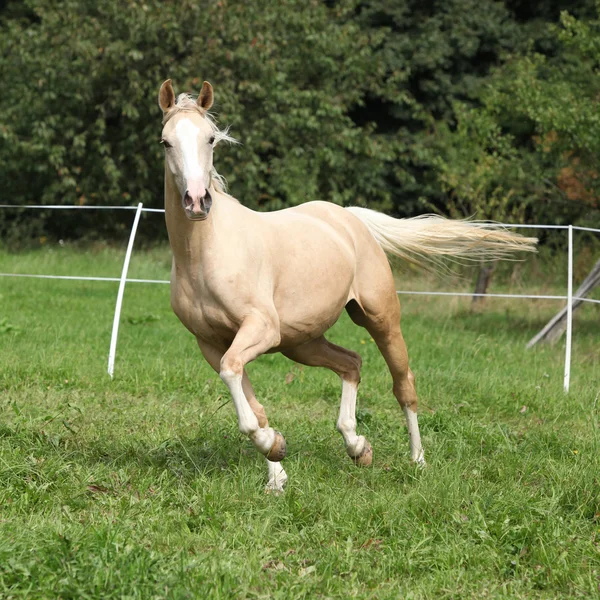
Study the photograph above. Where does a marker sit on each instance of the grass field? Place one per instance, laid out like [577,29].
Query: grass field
[142,487]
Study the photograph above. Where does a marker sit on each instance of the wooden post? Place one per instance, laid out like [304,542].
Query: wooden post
[554,329]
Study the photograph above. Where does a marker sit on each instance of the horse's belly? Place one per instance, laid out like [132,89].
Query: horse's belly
[307,308]
[300,329]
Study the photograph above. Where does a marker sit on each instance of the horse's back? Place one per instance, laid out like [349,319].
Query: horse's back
[326,218]
[324,257]
[371,266]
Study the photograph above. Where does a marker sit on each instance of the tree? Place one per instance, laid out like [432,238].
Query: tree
[438,57]
[80,122]
[535,141]
[532,149]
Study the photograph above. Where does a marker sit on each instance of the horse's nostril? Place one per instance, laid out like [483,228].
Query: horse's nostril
[187,199]
[207,201]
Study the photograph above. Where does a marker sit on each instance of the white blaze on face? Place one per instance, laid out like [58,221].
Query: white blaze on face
[193,173]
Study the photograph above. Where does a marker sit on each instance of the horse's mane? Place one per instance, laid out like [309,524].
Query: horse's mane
[186,103]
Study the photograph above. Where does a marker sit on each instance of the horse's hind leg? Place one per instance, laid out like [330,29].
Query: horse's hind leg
[277,476]
[346,364]
[380,315]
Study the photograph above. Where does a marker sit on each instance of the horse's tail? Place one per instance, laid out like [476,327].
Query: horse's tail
[431,239]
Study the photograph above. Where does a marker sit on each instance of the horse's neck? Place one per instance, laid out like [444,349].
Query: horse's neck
[190,240]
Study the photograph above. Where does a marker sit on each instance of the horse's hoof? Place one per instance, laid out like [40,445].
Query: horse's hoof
[277,451]
[276,485]
[365,458]
[420,462]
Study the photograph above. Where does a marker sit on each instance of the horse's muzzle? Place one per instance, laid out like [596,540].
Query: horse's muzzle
[196,209]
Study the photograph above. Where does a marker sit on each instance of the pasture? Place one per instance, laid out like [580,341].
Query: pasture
[143,487]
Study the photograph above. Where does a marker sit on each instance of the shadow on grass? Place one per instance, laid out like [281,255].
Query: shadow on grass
[182,457]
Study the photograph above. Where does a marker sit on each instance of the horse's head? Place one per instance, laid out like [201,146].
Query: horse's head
[189,136]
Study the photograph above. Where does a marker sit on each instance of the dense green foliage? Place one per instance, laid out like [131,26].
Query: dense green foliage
[434,53]
[81,121]
[552,104]
[142,487]
[465,106]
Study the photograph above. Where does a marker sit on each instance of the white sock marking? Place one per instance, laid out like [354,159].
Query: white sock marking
[277,477]
[346,424]
[263,438]
[416,449]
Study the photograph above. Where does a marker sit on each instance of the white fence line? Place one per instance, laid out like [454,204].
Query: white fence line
[592,229]
[471,294]
[69,207]
[77,278]
[139,209]
[82,207]
[405,292]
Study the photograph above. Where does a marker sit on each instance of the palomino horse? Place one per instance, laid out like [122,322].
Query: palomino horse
[247,283]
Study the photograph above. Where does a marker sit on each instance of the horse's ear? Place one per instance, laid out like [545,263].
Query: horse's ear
[166,96]
[206,97]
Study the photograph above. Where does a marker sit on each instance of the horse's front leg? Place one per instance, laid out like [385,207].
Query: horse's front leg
[257,334]
[277,476]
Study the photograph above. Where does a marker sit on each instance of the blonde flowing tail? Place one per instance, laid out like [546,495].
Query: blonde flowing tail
[430,240]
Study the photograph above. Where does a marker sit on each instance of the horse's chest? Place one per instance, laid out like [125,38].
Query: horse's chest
[201,313]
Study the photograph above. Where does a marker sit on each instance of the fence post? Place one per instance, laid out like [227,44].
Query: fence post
[115,329]
[569,312]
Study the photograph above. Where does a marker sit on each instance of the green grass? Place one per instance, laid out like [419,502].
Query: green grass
[142,487]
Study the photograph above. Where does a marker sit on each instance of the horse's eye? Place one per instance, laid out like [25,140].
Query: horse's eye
[165,143]
[211,141]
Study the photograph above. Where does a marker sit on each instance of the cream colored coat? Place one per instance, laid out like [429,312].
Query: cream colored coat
[247,283]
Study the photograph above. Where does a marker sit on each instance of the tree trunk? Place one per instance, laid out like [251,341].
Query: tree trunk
[552,332]
[483,281]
